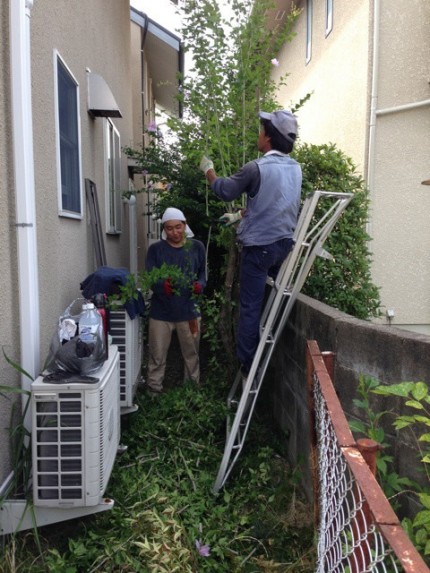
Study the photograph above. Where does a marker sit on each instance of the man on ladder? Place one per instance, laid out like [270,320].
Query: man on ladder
[272,185]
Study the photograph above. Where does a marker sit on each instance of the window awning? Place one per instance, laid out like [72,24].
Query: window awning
[101,102]
[164,54]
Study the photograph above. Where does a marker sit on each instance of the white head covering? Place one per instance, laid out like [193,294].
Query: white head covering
[173,214]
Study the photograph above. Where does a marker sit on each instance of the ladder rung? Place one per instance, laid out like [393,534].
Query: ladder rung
[286,289]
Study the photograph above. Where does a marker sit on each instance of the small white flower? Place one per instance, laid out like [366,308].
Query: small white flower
[275,62]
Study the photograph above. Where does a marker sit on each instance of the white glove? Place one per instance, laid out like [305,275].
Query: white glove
[230,218]
[206,164]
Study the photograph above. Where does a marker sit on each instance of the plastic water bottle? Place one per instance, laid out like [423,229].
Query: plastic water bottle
[90,324]
[99,300]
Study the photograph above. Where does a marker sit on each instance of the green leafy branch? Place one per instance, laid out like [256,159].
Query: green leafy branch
[416,397]
[146,280]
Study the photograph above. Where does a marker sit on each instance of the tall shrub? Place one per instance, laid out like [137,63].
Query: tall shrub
[229,82]
[344,282]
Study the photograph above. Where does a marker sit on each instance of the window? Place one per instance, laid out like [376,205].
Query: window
[113,178]
[68,141]
[308,30]
[328,17]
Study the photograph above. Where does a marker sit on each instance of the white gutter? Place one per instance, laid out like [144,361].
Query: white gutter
[373,109]
[25,223]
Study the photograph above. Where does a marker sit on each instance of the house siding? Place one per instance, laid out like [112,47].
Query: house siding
[93,35]
[400,204]
[390,150]
[336,77]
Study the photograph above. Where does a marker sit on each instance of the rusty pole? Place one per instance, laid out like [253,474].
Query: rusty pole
[361,557]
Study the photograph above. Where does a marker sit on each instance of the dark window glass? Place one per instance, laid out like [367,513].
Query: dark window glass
[69,141]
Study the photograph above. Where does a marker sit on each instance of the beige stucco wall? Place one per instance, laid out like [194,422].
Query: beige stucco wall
[404,63]
[390,150]
[92,36]
[336,76]
[400,217]
[96,36]
[399,224]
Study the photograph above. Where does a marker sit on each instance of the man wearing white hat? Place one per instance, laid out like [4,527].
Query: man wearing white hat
[272,185]
[174,301]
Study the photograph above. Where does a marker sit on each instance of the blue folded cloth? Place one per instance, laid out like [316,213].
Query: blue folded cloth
[108,280]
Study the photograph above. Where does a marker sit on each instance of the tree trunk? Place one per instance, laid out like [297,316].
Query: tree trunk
[227,315]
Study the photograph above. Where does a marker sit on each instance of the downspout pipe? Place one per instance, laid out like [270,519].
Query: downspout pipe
[25,223]
[404,107]
[373,107]
[132,223]
[181,68]
[143,34]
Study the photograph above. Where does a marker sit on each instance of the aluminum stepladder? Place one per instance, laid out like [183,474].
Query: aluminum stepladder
[309,237]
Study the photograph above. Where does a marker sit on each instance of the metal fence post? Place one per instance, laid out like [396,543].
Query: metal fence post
[361,556]
[369,449]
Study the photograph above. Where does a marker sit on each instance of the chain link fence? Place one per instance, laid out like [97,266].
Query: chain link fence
[358,531]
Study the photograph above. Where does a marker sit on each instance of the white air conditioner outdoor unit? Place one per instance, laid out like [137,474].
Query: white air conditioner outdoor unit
[75,437]
[127,335]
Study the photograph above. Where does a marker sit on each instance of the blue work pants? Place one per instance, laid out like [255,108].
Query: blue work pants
[257,262]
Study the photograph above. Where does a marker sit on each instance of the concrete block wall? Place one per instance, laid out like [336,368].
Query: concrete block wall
[389,354]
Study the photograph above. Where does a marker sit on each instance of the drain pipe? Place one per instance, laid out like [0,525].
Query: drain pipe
[404,107]
[132,221]
[373,109]
[25,224]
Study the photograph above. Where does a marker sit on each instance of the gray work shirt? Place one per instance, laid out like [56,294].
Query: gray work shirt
[273,187]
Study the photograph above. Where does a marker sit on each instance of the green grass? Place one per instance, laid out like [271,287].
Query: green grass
[164,504]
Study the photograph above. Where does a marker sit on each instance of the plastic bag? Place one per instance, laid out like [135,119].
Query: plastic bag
[68,352]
